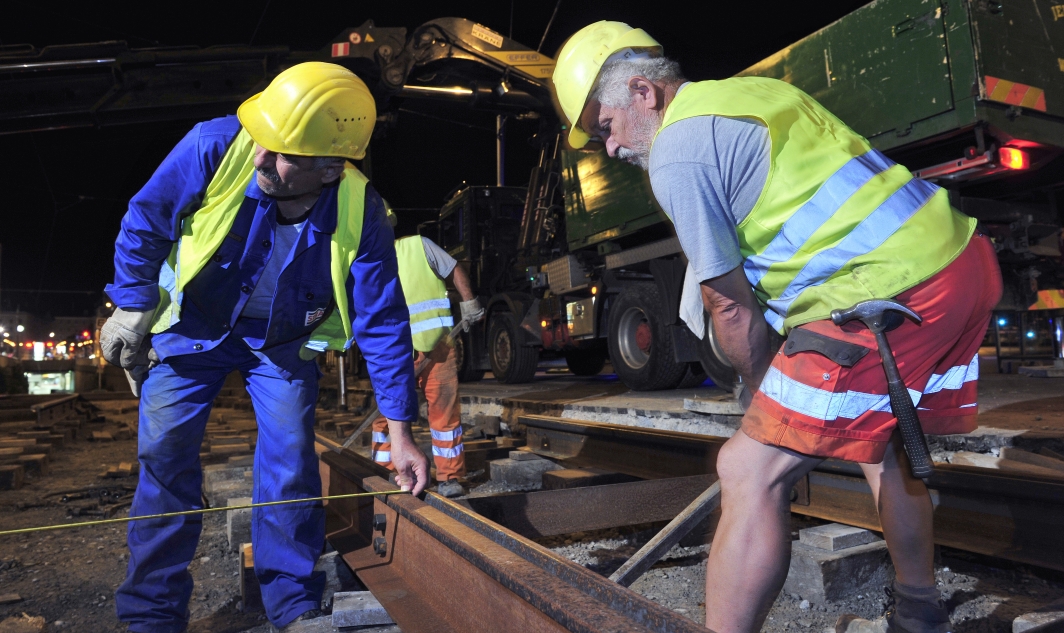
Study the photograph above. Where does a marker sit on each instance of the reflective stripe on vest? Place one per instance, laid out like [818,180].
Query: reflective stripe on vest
[837,222]
[203,231]
[426,294]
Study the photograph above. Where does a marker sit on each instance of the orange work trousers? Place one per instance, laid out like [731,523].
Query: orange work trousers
[439,381]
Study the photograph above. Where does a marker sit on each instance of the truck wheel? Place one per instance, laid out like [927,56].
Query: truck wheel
[693,377]
[713,360]
[585,362]
[640,343]
[463,359]
[511,362]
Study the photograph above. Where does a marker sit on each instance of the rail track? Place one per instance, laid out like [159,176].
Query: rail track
[408,551]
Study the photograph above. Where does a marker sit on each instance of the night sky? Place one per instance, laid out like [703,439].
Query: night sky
[64,192]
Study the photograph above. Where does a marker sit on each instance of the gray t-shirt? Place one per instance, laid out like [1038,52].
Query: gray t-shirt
[261,299]
[440,261]
[707,173]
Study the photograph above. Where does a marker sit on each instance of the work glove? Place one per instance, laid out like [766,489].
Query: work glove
[122,337]
[138,373]
[471,312]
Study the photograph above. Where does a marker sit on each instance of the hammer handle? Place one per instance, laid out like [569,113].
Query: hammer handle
[901,405]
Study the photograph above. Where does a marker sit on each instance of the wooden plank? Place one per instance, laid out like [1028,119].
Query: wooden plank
[1027,457]
[551,512]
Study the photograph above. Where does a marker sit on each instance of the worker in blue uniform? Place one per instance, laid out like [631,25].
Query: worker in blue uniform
[254,246]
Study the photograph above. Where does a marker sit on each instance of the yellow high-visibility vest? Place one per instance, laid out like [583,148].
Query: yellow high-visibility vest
[837,221]
[426,294]
[203,231]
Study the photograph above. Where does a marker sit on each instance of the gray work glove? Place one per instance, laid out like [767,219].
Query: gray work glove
[122,337]
[138,373]
[471,312]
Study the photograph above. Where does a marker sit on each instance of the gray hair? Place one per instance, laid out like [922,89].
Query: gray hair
[321,162]
[611,87]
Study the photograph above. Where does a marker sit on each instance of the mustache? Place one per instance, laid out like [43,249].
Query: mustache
[270,174]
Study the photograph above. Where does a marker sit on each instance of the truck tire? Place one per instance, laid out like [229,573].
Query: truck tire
[511,362]
[586,362]
[713,360]
[693,377]
[463,360]
[640,342]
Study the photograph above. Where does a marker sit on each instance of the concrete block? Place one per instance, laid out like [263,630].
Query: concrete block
[521,473]
[720,405]
[102,436]
[216,473]
[820,575]
[358,608]
[322,624]
[1050,614]
[835,536]
[523,456]
[220,491]
[12,476]
[238,523]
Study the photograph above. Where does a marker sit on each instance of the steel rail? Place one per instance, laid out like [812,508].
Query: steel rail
[977,510]
[410,553]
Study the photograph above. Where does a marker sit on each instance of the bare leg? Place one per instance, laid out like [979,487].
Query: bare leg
[752,546]
[905,512]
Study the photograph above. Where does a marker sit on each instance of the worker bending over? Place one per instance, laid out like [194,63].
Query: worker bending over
[423,267]
[785,214]
[253,247]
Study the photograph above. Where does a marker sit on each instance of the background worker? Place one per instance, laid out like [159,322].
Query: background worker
[253,247]
[423,268]
[786,214]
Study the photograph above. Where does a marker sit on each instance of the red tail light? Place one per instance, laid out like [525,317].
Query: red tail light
[1013,158]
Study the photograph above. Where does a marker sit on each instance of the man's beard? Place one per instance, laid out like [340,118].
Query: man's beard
[641,137]
[271,177]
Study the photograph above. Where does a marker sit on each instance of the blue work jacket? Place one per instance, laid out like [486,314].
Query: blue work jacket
[214,299]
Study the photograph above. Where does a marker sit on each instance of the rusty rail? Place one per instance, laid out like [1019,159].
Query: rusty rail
[976,509]
[412,553]
[54,410]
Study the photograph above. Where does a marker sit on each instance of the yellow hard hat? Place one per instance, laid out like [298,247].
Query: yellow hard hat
[312,109]
[580,60]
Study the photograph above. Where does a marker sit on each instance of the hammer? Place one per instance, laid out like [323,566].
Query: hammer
[881,316]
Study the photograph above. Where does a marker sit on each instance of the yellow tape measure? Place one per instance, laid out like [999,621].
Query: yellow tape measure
[45,528]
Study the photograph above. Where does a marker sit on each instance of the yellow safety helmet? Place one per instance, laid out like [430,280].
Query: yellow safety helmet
[312,109]
[580,60]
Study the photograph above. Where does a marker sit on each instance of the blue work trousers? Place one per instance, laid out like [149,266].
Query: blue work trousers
[175,403]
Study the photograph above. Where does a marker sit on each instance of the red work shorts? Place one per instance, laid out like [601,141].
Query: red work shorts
[812,405]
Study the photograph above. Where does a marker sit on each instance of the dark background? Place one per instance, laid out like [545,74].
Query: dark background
[64,192]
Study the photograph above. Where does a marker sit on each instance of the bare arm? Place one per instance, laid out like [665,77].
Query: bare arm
[739,325]
[460,278]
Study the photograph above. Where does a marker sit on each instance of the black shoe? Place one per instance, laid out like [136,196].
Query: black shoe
[293,626]
[450,489]
[916,610]
[909,610]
